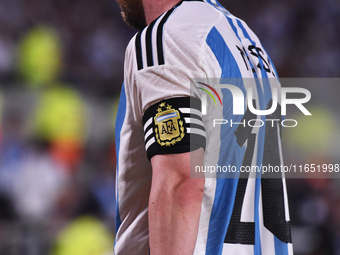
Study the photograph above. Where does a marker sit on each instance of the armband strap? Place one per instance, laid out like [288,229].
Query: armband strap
[173,126]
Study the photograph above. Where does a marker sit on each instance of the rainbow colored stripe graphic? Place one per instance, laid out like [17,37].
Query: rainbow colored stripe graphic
[209,93]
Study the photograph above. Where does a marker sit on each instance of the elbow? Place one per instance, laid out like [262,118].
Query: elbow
[189,192]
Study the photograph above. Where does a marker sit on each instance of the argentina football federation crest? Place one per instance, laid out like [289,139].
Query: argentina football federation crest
[169,127]
[173,125]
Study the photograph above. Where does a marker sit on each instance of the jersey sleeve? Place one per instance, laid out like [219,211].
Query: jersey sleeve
[166,57]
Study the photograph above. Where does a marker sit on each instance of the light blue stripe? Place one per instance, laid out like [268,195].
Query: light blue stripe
[119,124]
[280,247]
[230,152]
[167,116]
[257,246]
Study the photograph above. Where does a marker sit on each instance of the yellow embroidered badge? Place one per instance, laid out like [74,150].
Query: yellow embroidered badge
[169,126]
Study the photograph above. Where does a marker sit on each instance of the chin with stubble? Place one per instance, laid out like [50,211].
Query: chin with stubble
[133,13]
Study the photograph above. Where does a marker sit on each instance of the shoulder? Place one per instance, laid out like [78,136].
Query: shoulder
[192,14]
[190,22]
[180,31]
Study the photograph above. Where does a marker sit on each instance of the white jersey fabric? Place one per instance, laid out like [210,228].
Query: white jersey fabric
[158,114]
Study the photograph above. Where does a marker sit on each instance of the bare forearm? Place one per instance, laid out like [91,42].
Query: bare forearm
[175,204]
[173,219]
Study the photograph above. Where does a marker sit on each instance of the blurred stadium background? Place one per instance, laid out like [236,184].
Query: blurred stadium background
[61,69]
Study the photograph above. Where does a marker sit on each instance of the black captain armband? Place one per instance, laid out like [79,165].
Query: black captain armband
[173,126]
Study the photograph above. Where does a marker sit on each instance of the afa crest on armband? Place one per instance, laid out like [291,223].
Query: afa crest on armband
[169,126]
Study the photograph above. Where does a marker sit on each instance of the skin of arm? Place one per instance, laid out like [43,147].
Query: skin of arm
[175,203]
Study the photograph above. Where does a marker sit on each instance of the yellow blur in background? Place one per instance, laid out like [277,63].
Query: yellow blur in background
[40,56]
[84,236]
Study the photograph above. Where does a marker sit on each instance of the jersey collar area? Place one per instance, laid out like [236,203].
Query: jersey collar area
[174,7]
[187,1]
[179,3]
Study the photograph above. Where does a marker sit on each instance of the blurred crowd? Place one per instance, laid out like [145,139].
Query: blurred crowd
[61,69]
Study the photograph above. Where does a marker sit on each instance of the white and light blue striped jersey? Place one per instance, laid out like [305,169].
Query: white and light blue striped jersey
[160,112]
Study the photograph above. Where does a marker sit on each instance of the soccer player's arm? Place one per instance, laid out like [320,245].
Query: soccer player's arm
[175,203]
[175,141]
[175,197]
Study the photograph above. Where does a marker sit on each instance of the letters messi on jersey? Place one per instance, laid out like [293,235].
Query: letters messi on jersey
[160,113]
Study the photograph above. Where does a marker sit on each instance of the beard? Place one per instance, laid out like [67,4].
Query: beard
[133,13]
